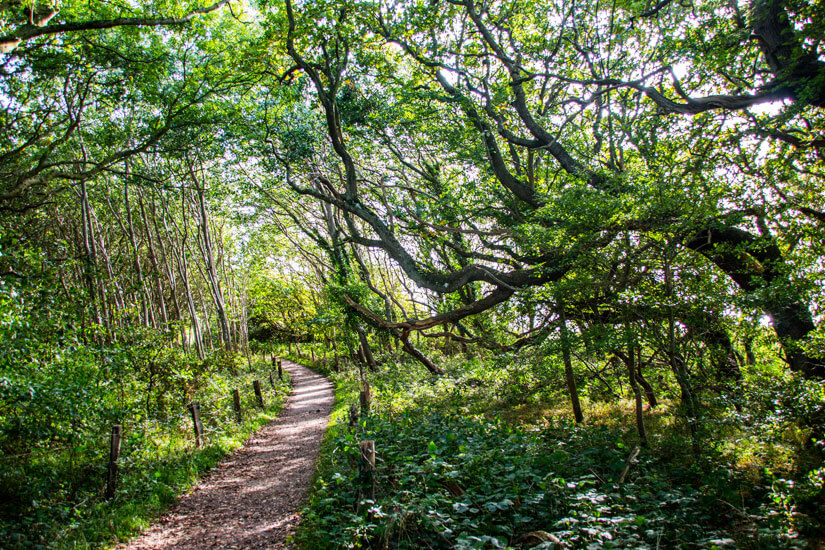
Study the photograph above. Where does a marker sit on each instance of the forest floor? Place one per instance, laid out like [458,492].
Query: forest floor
[251,499]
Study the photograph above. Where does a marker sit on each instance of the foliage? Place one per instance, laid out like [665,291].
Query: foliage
[544,200]
[447,478]
[55,441]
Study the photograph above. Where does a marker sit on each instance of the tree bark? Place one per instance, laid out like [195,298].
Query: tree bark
[569,377]
[146,302]
[649,393]
[183,269]
[675,359]
[365,349]
[416,354]
[90,260]
[209,260]
[637,396]
[756,264]
[153,259]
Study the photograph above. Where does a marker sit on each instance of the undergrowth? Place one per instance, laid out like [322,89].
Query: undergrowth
[52,496]
[463,463]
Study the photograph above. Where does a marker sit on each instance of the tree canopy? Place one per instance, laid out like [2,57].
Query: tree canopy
[626,182]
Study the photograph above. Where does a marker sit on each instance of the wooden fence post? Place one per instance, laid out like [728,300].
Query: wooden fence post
[114,454]
[312,353]
[256,385]
[271,380]
[236,404]
[280,370]
[365,397]
[353,416]
[195,411]
[366,469]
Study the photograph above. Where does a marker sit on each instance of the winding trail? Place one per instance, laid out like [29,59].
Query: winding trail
[251,499]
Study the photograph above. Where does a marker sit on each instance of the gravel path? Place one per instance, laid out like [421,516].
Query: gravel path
[251,499]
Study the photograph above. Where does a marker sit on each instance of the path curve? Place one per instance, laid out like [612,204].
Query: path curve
[251,499]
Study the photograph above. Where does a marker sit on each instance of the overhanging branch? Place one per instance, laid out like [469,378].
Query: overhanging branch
[29,30]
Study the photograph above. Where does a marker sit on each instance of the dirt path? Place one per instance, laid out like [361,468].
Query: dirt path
[251,499]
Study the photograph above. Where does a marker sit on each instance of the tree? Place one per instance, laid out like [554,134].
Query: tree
[471,144]
[26,22]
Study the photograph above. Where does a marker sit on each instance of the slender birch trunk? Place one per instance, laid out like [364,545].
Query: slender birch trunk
[146,302]
[153,259]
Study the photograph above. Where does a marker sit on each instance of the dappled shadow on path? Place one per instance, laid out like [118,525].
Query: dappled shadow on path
[251,499]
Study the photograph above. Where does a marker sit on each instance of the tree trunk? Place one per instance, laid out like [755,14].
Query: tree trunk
[183,269]
[416,354]
[214,282]
[675,359]
[637,396]
[734,251]
[207,325]
[649,394]
[365,349]
[568,367]
[153,259]
[750,357]
[167,263]
[145,299]
[90,260]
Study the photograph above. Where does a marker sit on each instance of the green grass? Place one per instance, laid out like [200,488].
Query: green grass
[54,498]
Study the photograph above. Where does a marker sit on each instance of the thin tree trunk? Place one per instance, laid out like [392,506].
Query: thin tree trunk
[750,357]
[207,324]
[649,394]
[365,348]
[637,395]
[153,259]
[568,367]
[167,262]
[90,258]
[148,314]
[183,269]
[677,363]
[205,242]
[108,308]
[233,296]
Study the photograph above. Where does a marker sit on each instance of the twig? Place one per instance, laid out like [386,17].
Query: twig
[633,454]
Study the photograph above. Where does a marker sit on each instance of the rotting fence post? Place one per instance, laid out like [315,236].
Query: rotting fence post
[353,416]
[366,469]
[114,454]
[259,396]
[195,410]
[365,397]
[236,404]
